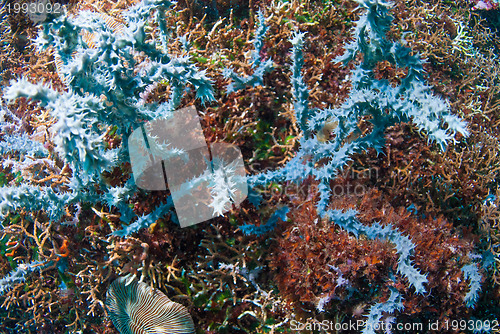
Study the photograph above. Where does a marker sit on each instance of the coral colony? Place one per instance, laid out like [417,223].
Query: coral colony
[250,167]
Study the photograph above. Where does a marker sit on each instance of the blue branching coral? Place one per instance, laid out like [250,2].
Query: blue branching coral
[472,274]
[331,136]
[269,226]
[97,57]
[259,66]
[384,104]
[404,247]
[374,318]
[14,140]
[305,111]
[377,100]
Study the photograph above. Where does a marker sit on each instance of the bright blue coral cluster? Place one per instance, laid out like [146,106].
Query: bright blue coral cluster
[376,100]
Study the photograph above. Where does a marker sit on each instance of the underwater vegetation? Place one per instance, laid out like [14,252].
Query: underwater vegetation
[370,136]
[134,308]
